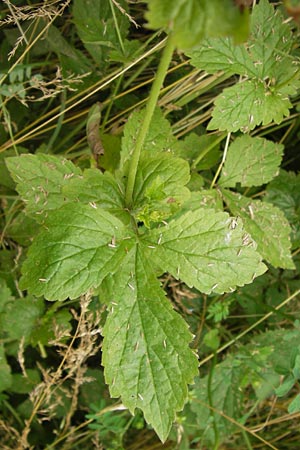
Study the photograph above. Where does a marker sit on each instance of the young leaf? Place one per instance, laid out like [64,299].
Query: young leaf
[77,249]
[251,162]
[284,192]
[160,187]
[192,20]
[248,104]
[206,249]
[40,179]
[146,355]
[267,226]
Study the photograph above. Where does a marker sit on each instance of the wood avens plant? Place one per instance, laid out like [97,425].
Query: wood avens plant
[115,233]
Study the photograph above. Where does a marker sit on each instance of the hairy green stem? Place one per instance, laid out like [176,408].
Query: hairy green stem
[151,103]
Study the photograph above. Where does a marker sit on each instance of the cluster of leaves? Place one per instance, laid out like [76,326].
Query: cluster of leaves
[85,238]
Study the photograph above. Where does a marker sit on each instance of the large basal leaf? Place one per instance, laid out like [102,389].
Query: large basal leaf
[251,162]
[284,192]
[206,249]
[146,355]
[40,179]
[248,104]
[79,246]
[192,20]
[160,187]
[267,225]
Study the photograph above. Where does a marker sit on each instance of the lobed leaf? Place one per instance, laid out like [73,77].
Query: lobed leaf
[40,180]
[264,55]
[146,362]
[77,249]
[248,104]
[251,162]
[206,249]
[267,225]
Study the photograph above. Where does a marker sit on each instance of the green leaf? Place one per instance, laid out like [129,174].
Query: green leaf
[226,396]
[160,187]
[98,189]
[284,192]
[40,179]
[264,55]
[158,139]
[248,104]
[77,249]
[97,29]
[267,226]
[294,406]
[251,162]
[285,387]
[218,54]
[192,20]
[24,385]
[201,149]
[5,371]
[264,60]
[146,363]
[206,249]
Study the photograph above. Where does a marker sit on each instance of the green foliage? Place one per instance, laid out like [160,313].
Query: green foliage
[134,237]
[266,63]
[191,21]
[251,162]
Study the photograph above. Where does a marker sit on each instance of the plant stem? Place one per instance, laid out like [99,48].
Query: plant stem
[151,103]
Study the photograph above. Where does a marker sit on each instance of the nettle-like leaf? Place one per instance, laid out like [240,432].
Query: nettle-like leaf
[246,105]
[267,225]
[206,249]
[97,189]
[146,363]
[192,20]
[160,187]
[79,246]
[251,162]
[40,179]
[265,61]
